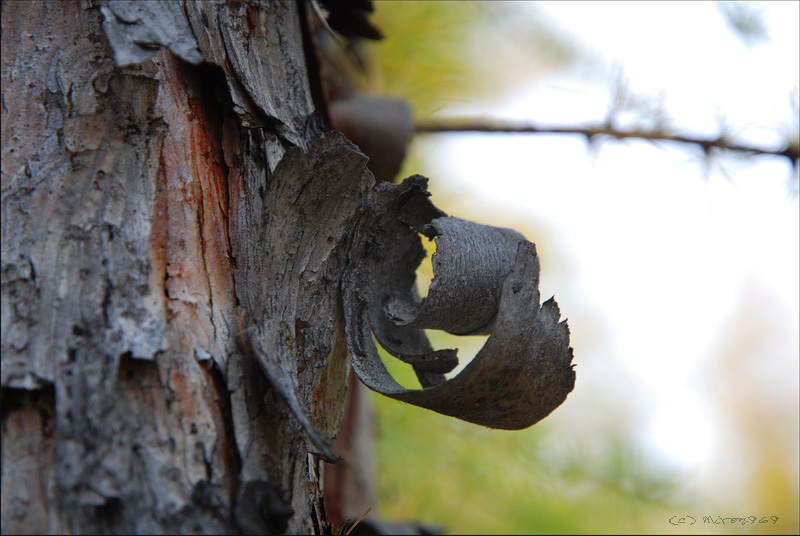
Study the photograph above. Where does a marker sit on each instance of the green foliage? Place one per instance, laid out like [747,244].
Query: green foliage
[420,58]
[469,479]
[436,53]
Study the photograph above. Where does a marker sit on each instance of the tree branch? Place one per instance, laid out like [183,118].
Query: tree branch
[790,151]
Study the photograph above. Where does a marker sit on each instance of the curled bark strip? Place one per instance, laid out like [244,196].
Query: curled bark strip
[469,266]
[485,281]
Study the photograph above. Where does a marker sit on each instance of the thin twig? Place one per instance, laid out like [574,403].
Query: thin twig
[358,521]
[792,152]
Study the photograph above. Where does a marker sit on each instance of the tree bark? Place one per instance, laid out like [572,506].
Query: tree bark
[172,230]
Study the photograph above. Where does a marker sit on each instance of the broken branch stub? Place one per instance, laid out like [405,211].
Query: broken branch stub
[485,281]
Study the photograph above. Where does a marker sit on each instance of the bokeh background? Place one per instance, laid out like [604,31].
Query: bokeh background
[678,269]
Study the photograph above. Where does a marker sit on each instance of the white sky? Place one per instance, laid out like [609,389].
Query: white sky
[649,254]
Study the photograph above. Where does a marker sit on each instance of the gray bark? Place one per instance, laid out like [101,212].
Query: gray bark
[169,231]
[188,263]
[486,280]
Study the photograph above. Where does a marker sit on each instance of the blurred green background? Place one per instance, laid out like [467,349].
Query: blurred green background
[558,476]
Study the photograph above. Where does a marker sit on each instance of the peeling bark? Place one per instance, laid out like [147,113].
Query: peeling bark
[486,280]
[186,258]
[144,209]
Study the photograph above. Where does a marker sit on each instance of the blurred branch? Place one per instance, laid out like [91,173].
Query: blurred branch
[592,132]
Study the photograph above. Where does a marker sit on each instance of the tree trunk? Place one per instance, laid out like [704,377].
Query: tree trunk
[174,226]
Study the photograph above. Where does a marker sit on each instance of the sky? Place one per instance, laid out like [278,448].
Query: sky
[650,250]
